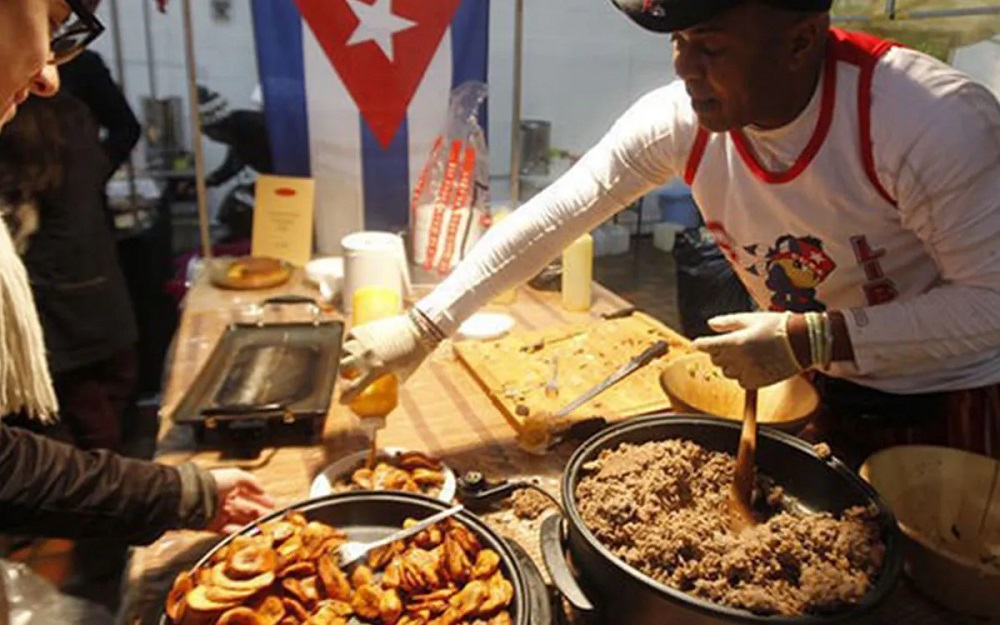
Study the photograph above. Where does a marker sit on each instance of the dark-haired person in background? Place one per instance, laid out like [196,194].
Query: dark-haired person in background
[853,185]
[87,78]
[52,175]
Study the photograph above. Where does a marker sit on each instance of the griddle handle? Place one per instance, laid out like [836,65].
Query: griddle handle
[279,300]
[293,300]
[239,410]
[555,562]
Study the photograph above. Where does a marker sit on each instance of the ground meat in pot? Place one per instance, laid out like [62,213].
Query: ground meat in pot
[661,507]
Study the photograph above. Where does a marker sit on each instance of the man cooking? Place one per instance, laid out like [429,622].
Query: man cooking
[854,186]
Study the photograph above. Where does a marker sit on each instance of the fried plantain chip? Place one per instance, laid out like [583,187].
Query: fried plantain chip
[298,569]
[197,601]
[239,616]
[294,587]
[487,563]
[250,561]
[456,563]
[294,609]
[340,608]
[175,599]
[361,576]
[333,579]
[222,580]
[366,601]
[470,599]
[270,610]
[464,537]
[427,477]
[413,460]
[501,592]
[390,607]
[220,594]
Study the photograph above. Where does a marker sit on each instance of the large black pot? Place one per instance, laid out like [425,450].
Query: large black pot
[369,516]
[614,592]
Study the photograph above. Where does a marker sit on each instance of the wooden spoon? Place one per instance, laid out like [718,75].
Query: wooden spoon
[741,506]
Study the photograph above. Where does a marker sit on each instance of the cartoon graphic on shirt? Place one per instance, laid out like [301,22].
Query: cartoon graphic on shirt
[794,267]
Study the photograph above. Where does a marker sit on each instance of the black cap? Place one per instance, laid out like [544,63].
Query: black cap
[664,16]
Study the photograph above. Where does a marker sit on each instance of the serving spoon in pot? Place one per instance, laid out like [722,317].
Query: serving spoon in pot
[741,497]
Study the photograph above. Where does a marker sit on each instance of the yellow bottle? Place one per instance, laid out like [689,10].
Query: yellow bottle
[577,273]
[507,297]
[371,303]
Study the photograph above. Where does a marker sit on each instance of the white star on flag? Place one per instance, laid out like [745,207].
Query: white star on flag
[377,23]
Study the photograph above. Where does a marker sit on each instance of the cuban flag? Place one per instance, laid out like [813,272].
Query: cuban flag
[355,93]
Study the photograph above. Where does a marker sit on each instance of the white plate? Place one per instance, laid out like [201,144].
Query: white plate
[486,326]
[323,484]
[328,270]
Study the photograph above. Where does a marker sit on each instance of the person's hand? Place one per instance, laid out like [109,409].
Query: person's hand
[391,345]
[242,500]
[753,348]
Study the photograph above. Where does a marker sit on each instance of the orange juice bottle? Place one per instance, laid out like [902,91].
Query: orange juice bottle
[371,303]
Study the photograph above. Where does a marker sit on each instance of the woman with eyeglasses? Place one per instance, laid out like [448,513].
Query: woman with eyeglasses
[47,488]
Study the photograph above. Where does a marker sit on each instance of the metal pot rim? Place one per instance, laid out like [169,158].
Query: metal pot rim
[892,563]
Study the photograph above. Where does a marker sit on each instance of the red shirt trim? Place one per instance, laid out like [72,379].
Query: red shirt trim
[864,51]
[697,152]
[815,142]
[859,49]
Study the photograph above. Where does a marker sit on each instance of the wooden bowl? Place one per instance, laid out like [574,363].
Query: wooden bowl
[694,384]
[939,495]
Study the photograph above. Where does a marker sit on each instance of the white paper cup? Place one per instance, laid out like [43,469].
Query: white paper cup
[374,259]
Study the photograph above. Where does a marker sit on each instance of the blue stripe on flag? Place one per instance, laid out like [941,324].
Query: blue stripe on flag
[278,32]
[470,42]
[386,178]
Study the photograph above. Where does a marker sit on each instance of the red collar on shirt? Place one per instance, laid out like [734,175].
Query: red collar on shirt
[819,134]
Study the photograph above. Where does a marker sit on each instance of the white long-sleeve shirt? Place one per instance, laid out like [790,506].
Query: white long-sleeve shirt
[915,265]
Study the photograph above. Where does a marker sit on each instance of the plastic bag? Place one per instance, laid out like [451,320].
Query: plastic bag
[449,211]
[706,284]
[32,600]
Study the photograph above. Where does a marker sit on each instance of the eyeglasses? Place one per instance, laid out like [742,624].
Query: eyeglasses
[76,33]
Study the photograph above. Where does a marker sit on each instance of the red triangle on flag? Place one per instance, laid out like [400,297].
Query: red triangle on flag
[382,88]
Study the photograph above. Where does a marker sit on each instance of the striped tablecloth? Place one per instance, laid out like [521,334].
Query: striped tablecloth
[442,411]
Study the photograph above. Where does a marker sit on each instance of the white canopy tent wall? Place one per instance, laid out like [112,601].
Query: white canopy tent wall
[966,21]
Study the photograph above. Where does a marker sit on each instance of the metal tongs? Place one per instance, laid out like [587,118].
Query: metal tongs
[351,552]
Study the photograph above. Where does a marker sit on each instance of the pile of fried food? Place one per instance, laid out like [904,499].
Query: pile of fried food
[252,272]
[411,471]
[289,574]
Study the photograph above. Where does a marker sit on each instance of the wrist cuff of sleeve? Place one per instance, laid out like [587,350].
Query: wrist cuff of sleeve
[783,334]
[428,333]
[199,497]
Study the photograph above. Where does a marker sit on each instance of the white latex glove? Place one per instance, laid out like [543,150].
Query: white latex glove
[391,345]
[753,349]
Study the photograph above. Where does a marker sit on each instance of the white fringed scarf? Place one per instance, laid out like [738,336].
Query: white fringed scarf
[25,383]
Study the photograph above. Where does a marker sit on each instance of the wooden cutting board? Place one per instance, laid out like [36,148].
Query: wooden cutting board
[513,370]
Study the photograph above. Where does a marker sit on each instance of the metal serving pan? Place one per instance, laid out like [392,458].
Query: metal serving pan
[265,380]
[373,515]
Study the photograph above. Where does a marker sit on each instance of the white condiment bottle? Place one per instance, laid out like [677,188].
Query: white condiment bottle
[509,296]
[578,273]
